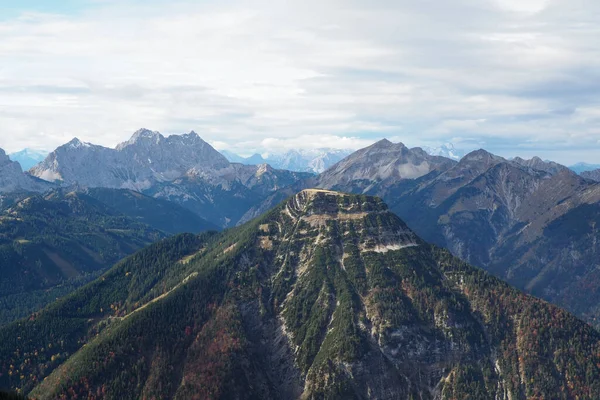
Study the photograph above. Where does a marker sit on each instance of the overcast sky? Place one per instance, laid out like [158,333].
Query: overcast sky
[517,77]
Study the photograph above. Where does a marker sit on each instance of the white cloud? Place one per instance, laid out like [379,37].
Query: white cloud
[246,74]
[523,6]
[314,142]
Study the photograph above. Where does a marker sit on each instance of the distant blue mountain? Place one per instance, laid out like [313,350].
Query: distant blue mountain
[232,157]
[29,158]
[583,167]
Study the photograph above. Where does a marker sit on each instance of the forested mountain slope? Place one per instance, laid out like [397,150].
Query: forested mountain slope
[53,243]
[159,214]
[326,296]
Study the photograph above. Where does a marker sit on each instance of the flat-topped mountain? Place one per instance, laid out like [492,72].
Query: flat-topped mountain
[328,295]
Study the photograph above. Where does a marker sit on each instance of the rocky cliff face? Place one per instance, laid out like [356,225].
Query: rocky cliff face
[148,157]
[327,296]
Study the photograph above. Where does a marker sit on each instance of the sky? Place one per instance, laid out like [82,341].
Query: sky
[516,77]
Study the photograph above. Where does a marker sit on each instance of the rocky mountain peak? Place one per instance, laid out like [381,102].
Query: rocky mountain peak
[75,143]
[386,145]
[483,156]
[146,134]
[143,136]
[382,143]
[190,136]
[187,139]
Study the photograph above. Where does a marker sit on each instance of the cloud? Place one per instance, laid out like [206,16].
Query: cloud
[523,6]
[252,74]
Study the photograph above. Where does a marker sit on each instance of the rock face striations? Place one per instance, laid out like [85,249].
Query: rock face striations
[328,295]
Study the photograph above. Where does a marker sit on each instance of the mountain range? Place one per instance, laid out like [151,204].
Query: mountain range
[508,216]
[328,295]
[515,218]
[316,294]
[180,168]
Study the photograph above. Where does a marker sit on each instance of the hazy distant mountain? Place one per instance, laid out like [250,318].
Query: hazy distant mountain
[255,159]
[232,157]
[582,167]
[312,160]
[315,160]
[446,150]
[593,175]
[328,296]
[180,168]
[28,158]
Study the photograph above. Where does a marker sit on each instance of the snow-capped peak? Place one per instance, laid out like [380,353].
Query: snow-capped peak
[75,143]
[447,150]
